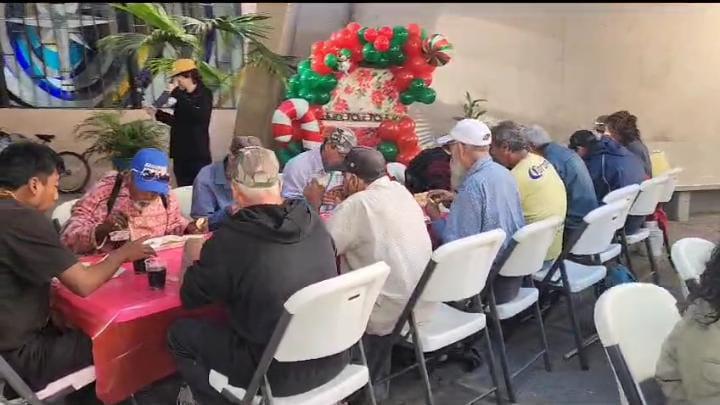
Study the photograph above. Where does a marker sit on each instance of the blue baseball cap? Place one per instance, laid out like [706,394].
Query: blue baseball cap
[150,171]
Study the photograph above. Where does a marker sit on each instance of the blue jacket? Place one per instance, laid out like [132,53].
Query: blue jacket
[580,189]
[612,166]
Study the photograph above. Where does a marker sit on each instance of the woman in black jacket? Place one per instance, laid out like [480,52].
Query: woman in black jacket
[189,137]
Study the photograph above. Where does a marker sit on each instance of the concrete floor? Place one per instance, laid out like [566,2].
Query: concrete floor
[566,384]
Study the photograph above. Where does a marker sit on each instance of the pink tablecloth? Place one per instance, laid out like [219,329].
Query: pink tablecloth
[128,324]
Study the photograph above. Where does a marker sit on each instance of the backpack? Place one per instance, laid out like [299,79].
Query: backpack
[616,275]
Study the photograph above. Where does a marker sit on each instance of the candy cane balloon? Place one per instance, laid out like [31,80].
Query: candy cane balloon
[296,109]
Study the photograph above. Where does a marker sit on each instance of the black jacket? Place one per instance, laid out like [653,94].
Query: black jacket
[189,137]
[253,264]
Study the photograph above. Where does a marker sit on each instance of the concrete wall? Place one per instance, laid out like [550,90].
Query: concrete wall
[61,122]
[562,65]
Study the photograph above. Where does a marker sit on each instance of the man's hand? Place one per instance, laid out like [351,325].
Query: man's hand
[334,196]
[440,196]
[136,250]
[114,222]
[433,210]
[150,111]
[314,193]
[198,226]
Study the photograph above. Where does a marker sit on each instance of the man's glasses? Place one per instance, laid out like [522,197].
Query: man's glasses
[152,175]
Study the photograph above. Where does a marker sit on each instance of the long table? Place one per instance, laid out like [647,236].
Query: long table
[128,324]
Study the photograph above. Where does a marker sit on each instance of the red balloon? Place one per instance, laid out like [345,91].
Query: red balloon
[319,66]
[317,111]
[317,47]
[346,38]
[354,27]
[426,77]
[417,65]
[407,125]
[403,78]
[405,157]
[413,47]
[414,30]
[371,34]
[386,32]
[388,130]
[331,47]
[407,142]
[357,54]
[382,43]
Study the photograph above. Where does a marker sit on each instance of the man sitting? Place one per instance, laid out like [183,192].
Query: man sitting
[261,255]
[123,206]
[381,221]
[487,196]
[30,256]
[300,171]
[611,166]
[570,167]
[212,194]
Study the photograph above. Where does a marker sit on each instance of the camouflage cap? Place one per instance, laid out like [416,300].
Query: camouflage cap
[343,138]
[240,142]
[256,167]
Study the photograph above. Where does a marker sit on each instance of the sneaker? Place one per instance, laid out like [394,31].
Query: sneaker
[185,396]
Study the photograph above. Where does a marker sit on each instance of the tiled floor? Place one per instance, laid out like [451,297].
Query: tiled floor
[566,384]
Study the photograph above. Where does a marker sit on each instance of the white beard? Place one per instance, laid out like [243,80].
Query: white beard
[457,174]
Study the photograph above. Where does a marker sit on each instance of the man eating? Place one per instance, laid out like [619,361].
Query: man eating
[126,206]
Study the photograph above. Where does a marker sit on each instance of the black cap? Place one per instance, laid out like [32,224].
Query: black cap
[583,138]
[366,163]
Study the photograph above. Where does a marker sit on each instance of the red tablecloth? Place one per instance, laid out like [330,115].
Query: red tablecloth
[128,324]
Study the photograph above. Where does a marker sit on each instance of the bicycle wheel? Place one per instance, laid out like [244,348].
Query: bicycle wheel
[76,174]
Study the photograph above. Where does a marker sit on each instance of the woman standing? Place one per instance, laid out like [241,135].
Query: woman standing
[189,138]
[622,127]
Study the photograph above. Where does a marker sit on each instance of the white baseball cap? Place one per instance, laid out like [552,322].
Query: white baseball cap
[468,131]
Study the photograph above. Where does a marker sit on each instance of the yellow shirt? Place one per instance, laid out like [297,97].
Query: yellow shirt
[542,194]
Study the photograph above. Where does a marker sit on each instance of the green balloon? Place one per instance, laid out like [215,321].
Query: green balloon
[389,151]
[283,156]
[295,148]
[294,83]
[417,85]
[322,98]
[370,54]
[397,59]
[428,96]
[400,34]
[331,61]
[346,53]
[423,34]
[383,60]
[304,93]
[328,82]
[312,80]
[290,94]
[407,98]
[361,35]
[305,65]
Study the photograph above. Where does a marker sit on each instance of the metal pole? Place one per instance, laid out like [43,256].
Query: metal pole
[130,63]
[4,96]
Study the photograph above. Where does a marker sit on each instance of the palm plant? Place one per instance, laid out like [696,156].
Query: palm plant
[115,140]
[471,108]
[173,37]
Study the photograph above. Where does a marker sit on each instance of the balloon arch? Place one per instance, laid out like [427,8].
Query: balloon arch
[361,78]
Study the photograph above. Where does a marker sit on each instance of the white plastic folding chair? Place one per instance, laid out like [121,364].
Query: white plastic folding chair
[665,197]
[690,256]
[320,320]
[184,197]
[633,320]
[61,214]
[396,170]
[523,256]
[627,193]
[52,392]
[645,204]
[457,270]
[593,238]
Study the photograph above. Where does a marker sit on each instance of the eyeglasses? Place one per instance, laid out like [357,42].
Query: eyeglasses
[152,175]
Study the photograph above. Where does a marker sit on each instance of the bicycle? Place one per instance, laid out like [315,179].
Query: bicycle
[76,173]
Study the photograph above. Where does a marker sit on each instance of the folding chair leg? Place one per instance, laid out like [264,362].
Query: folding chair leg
[576,331]
[421,360]
[653,265]
[626,251]
[503,359]
[543,337]
[369,389]
[492,367]
[666,242]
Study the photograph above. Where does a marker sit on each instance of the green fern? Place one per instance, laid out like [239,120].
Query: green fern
[111,138]
[471,107]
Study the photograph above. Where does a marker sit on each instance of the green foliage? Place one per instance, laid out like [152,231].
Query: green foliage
[111,138]
[173,37]
[472,107]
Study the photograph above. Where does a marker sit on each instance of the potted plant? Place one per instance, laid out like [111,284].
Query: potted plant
[472,108]
[119,141]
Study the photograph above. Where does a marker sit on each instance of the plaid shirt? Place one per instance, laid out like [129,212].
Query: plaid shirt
[91,210]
